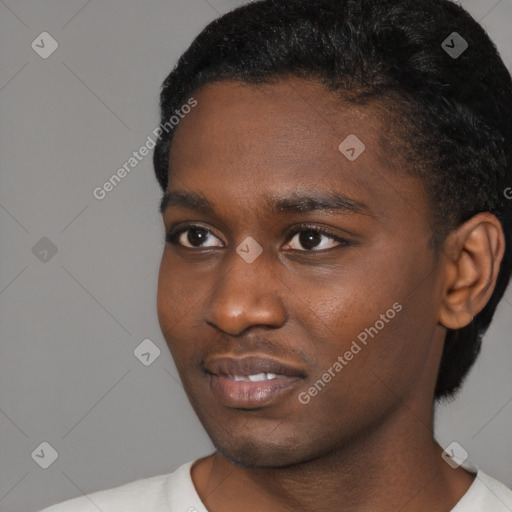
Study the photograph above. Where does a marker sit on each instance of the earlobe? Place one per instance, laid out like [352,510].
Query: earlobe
[472,255]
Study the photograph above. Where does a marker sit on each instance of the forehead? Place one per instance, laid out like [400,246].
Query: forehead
[292,121]
[249,140]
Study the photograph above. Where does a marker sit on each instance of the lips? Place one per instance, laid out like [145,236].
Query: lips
[251,365]
[251,382]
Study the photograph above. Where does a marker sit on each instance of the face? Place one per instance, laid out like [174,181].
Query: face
[294,261]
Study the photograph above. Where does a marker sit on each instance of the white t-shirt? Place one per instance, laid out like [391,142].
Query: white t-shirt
[175,492]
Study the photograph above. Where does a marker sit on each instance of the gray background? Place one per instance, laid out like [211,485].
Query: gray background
[69,325]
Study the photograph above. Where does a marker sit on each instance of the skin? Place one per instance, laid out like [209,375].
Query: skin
[365,442]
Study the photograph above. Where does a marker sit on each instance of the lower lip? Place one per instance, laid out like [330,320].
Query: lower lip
[250,395]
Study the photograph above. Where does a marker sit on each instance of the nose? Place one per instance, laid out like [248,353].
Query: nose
[247,295]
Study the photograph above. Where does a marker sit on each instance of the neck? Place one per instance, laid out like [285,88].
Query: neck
[395,466]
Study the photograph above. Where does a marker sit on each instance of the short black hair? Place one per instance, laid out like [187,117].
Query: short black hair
[450,113]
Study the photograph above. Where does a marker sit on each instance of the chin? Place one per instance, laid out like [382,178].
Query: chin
[253,457]
[253,453]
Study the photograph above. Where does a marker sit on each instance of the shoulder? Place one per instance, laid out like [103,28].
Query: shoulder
[139,495]
[495,495]
[486,494]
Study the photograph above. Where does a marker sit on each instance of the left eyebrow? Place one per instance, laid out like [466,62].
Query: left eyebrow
[291,204]
[305,204]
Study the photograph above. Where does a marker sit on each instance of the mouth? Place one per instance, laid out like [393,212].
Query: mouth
[251,382]
[258,377]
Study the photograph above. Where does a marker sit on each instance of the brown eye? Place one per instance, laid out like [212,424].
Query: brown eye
[193,237]
[309,239]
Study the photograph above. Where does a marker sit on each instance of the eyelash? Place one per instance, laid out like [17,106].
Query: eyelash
[173,235]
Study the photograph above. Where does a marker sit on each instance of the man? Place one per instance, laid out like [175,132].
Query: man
[338,239]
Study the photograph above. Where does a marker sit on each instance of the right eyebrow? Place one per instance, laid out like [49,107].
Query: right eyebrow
[290,204]
[184,199]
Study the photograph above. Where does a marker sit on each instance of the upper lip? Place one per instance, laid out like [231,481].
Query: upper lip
[250,365]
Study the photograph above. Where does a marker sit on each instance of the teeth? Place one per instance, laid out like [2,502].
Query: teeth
[255,378]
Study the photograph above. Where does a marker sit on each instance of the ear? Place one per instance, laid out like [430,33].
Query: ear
[472,255]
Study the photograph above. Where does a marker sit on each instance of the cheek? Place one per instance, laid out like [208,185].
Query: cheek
[175,300]
[179,289]
[377,319]
[375,302]
[165,301]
